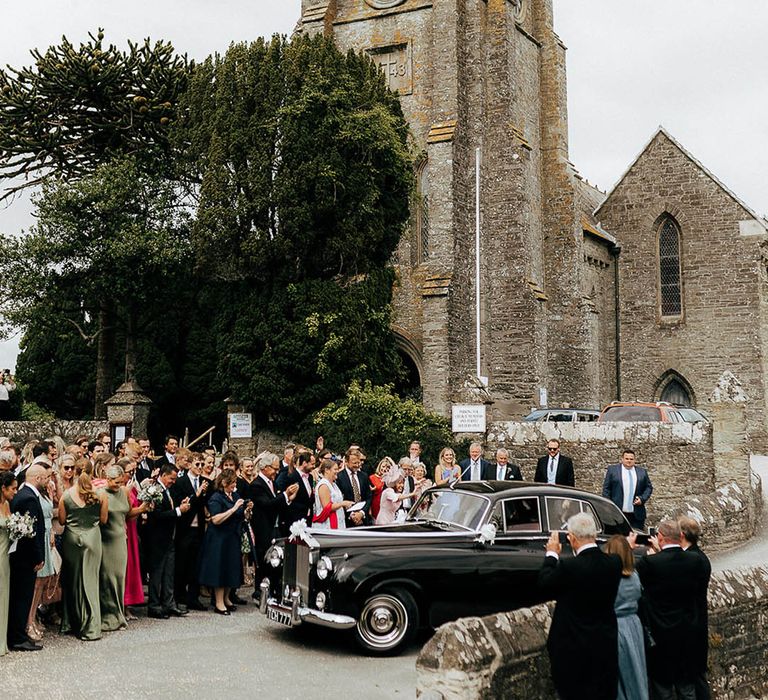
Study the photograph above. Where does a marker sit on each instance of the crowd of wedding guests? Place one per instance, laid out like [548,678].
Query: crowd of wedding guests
[113,528]
[191,527]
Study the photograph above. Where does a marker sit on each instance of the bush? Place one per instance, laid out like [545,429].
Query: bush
[381,422]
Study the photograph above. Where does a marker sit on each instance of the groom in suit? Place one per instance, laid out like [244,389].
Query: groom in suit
[160,530]
[583,638]
[629,487]
[355,486]
[27,560]
[300,508]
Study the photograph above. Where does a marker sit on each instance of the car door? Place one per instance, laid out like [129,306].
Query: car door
[508,570]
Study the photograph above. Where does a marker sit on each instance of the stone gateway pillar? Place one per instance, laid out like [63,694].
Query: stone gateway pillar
[128,412]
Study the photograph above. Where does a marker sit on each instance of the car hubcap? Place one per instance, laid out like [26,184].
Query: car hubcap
[383,622]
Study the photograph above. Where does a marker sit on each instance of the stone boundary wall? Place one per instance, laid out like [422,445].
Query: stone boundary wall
[700,469]
[504,655]
[21,432]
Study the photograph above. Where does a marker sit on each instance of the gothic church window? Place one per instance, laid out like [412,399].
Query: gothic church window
[676,393]
[670,288]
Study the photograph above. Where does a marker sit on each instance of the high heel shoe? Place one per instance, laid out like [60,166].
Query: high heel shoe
[220,612]
[33,633]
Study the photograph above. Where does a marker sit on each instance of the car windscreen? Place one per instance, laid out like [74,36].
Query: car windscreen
[638,413]
[691,415]
[463,509]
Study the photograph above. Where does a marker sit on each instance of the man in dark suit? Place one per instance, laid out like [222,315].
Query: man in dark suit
[691,532]
[503,470]
[159,532]
[674,584]
[474,467]
[554,467]
[190,528]
[300,508]
[144,466]
[355,486]
[629,487]
[268,505]
[27,560]
[583,638]
[171,445]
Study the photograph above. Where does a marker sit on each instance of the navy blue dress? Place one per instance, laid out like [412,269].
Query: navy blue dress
[221,555]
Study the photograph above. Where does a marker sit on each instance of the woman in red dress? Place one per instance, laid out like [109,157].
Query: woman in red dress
[134,589]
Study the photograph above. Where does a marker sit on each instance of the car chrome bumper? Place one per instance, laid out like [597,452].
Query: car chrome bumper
[293,614]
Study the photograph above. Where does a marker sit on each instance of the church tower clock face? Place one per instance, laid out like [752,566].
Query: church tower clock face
[383,4]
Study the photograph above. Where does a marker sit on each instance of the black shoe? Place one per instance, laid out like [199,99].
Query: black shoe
[231,608]
[158,615]
[29,645]
[196,605]
[220,612]
[176,612]
[236,599]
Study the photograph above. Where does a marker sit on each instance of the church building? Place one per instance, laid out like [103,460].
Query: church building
[648,293]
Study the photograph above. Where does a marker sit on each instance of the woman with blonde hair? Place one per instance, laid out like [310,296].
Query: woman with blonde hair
[377,483]
[81,510]
[447,469]
[101,462]
[633,679]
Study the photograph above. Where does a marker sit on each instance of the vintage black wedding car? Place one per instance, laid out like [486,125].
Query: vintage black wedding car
[469,549]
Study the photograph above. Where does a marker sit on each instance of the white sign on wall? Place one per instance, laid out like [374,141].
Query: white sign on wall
[468,418]
[240,425]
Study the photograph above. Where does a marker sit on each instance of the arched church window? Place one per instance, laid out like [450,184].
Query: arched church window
[422,212]
[675,392]
[670,289]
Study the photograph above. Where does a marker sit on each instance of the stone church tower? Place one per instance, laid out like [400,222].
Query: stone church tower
[490,74]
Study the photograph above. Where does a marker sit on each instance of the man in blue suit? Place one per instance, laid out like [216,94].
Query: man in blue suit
[475,468]
[629,487]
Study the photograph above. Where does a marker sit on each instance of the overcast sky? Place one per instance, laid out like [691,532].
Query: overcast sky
[695,66]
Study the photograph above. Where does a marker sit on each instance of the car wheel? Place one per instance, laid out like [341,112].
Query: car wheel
[388,620]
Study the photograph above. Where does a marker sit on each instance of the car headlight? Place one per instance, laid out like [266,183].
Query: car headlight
[275,556]
[324,567]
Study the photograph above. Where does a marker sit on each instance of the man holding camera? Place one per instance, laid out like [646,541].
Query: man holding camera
[583,637]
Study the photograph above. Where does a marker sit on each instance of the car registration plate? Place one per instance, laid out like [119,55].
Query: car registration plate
[279,616]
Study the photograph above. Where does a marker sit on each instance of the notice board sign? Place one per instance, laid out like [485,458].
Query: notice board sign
[240,425]
[468,418]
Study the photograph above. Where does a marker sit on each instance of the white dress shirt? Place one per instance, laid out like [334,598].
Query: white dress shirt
[628,485]
[552,469]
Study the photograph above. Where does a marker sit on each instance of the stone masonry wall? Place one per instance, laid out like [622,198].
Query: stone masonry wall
[720,328]
[21,432]
[504,655]
[695,468]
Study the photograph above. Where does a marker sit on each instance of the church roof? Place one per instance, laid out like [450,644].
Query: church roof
[662,131]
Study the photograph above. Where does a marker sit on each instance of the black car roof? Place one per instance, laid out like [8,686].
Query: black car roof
[519,488]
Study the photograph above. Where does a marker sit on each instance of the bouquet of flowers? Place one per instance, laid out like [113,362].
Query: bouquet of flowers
[21,525]
[151,493]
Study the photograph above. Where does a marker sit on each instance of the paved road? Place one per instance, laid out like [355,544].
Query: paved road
[207,656]
[754,552]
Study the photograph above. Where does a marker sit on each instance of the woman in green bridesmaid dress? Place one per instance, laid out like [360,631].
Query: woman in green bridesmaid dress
[114,548]
[7,492]
[81,510]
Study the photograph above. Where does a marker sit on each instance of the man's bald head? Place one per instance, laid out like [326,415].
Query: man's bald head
[37,475]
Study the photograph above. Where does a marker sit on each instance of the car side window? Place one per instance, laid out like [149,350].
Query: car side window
[522,515]
[560,509]
[563,417]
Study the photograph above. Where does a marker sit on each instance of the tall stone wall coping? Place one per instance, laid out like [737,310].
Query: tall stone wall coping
[505,655]
[21,432]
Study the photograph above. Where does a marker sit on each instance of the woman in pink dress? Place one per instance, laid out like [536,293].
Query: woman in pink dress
[134,590]
[392,498]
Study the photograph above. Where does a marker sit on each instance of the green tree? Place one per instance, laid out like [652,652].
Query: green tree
[381,422]
[78,108]
[302,158]
[104,247]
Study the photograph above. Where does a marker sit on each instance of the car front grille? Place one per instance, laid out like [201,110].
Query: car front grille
[296,568]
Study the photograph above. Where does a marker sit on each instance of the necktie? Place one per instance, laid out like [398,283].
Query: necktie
[168,493]
[194,484]
[628,507]
[355,487]
[305,477]
[551,474]
[271,486]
